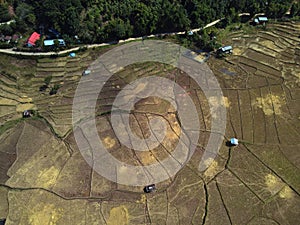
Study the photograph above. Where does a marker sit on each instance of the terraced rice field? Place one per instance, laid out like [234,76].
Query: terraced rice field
[45,180]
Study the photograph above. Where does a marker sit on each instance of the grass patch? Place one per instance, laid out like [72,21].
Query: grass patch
[9,124]
[14,66]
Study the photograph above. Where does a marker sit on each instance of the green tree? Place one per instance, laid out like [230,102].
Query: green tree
[295,9]
[277,9]
[143,19]
[25,13]
[54,89]
[71,23]
[31,19]
[21,25]
[118,29]
[6,29]
[234,16]
[253,7]
[39,43]
[62,15]
[173,17]
[238,5]
[56,45]
[4,15]
[205,41]
[47,80]
[201,15]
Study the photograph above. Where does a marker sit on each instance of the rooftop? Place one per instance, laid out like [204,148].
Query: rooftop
[226,48]
[51,42]
[263,19]
[33,38]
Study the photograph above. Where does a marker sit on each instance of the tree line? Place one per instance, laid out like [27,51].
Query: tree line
[108,20]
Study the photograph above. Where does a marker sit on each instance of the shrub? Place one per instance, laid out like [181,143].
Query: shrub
[54,90]
[47,80]
[5,45]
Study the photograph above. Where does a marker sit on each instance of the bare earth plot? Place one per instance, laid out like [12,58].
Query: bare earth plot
[44,179]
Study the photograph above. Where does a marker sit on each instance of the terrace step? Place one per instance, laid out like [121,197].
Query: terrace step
[51,60]
[73,69]
[73,64]
[74,60]
[288,30]
[9,96]
[10,76]
[283,43]
[52,64]
[264,50]
[57,79]
[9,117]
[288,38]
[53,74]
[75,75]
[261,66]
[55,69]
[5,90]
[261,56]
[8,82]
[61,107]
[267,35]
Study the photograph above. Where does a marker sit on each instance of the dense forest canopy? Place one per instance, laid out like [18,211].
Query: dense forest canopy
[103,20]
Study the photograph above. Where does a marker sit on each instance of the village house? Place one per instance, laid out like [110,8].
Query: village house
[61,42]
[224,50]
[261,20]
[32,39]
[86,72]
[7,39]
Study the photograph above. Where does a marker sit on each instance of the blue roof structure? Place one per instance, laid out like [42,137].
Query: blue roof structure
[72,54]
[48,42]
[226,48]
[86,72]
[262,19]
[51,42]
[234,141]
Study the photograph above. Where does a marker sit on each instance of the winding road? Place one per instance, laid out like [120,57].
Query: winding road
[8,22]
[12,52]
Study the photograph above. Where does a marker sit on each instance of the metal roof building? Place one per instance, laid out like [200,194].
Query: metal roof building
[261,19]
[33,38]
[51,42]
[234,141]
[226,48]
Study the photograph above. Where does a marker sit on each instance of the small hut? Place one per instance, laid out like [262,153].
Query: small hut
[86,72]
[224,50]
[234,142]
[32,39]
[261,20]
[26,114]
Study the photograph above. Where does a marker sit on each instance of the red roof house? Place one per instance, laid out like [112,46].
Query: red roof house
[33,38]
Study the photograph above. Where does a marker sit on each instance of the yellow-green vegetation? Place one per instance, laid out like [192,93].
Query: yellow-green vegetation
[118,215]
